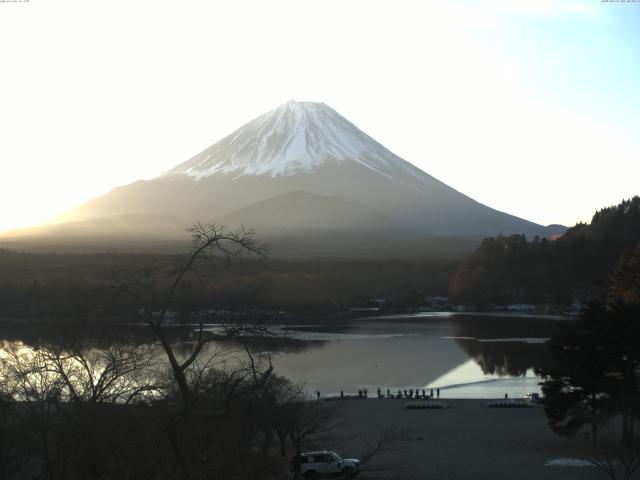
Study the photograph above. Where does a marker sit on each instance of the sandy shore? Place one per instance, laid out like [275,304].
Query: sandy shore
[467,441]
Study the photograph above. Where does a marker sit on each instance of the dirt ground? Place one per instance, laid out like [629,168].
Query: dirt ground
[467,441]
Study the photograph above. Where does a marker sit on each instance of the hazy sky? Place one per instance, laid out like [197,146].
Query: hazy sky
[531,107]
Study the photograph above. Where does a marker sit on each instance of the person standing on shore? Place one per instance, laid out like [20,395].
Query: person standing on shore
[341,394]
[431,395]
[318,394]
[379,393]
[438,392]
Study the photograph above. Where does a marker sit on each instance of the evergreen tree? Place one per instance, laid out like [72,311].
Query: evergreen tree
[597,378]
[576,265]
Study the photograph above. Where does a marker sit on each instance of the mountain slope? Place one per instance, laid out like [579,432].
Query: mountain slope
[295,137]
[250,176]
[304,211]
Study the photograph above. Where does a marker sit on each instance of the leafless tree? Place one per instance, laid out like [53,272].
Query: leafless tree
[12,456]
[617,454]
[119,373]
[209,240]
[206,391]
[310,422]
[32,384]
[44,382]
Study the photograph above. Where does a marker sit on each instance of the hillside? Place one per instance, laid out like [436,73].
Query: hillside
[576,266]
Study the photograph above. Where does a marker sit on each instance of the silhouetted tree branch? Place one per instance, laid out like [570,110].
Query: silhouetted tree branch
[208,240]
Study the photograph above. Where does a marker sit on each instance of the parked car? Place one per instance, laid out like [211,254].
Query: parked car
[533,397]
[326,463]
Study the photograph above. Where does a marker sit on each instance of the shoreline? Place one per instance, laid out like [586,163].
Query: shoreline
[338,318]
[454,400]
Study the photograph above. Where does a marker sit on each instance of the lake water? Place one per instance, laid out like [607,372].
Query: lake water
[465,355]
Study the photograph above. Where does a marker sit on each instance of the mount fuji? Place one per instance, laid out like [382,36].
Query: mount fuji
[308,180]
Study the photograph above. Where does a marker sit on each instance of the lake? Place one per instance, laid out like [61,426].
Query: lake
[465,355]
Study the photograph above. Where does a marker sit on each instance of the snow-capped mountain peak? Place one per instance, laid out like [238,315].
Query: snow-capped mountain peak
[301,175]
[293,138]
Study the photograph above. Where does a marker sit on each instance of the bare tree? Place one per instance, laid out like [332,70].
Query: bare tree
[45,381]
[12,456]
[119,373]
[31,382]
[206,392]
[209,240]
[617,452]
[310,422]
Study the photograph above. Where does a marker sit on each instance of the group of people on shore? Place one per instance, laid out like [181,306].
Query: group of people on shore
[410,393]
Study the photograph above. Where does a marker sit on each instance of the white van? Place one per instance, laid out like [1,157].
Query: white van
[326,463]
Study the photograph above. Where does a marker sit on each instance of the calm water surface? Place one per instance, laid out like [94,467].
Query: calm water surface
[465,355]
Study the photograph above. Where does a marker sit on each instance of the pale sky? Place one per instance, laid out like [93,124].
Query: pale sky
[531,107]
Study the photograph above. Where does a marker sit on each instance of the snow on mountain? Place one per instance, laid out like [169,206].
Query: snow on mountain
[301,174]
[294,137]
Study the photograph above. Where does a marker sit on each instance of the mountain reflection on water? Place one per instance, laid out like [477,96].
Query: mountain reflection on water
[477,356]
[505,346]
